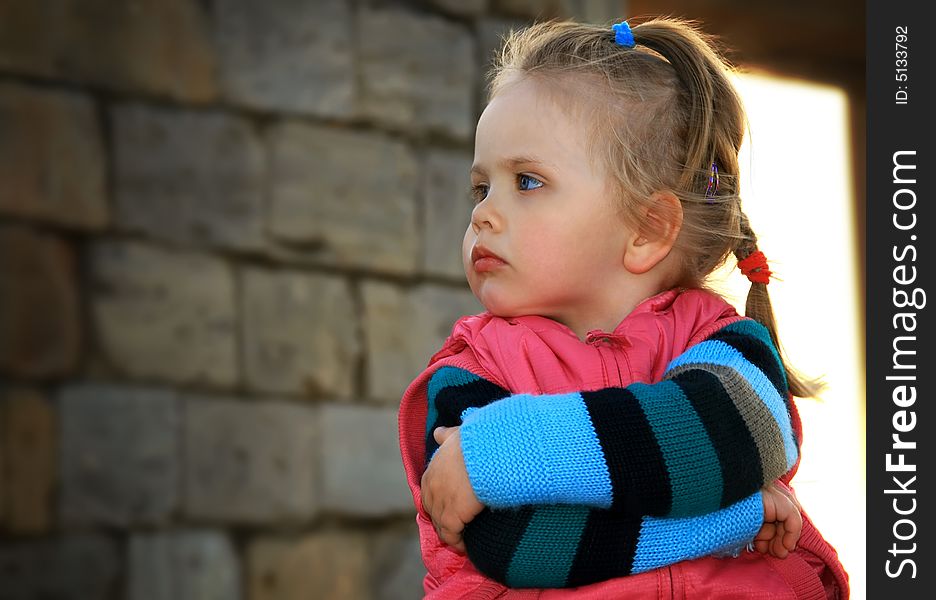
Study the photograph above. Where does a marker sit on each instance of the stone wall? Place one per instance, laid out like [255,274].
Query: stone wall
[228,240]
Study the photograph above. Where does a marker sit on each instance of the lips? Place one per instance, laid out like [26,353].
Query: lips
[484,260]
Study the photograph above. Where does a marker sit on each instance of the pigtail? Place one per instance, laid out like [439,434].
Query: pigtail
[759,308]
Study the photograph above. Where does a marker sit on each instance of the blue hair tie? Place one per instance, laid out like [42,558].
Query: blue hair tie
[623,36]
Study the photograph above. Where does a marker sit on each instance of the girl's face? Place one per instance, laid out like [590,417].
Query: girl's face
[544,238]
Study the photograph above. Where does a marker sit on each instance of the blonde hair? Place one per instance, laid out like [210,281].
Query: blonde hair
[660,114]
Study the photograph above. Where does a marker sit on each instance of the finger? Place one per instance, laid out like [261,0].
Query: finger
[438,528]
[793,528]
[764,536]
[440,434]
[788,513]
[452,538]
[770,507]
[777,548]
[766,533]
[450,527]
[775,503]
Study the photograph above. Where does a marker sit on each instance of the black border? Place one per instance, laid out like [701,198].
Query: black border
[894,127]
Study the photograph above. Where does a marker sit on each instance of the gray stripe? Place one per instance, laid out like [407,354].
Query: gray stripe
[764,429]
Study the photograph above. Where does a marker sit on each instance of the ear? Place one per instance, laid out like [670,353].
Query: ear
[660,226]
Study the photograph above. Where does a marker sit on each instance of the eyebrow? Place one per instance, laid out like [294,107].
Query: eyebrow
[512,162]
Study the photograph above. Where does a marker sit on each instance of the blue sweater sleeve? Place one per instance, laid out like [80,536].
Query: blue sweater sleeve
[567,545]
[714,431]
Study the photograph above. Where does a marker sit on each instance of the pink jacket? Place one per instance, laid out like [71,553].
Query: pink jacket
[538,355]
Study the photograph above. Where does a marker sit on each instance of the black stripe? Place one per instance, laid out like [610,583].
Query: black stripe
[451,401]
[639,480]
[492,538]
[756,353]
[607,547]
[735,446]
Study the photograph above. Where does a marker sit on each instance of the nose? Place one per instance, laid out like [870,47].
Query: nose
[485,215]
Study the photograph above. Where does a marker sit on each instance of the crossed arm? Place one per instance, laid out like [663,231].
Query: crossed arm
[616,481]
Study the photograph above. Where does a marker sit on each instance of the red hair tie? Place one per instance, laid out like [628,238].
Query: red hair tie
[754,267]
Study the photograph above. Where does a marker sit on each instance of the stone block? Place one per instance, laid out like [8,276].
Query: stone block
[583,11]
[398,569]
[161,47]
[344,198]
[539,10]
[461,8]
[418,72]
[300,333]
[592,11]
[27,37]
[183,565]
[362,472]
[190,177]
[40,320]
[447,211]
[330,565]
[52,159]
[164,314]
[74,567]
[288,55]
[249,462]
[119,455]
[29,437]
[403,328]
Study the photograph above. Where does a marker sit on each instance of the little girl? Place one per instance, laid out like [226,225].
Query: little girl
[605,176]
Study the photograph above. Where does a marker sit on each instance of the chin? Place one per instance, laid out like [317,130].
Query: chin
[496,298]
[486,297]
[503,309]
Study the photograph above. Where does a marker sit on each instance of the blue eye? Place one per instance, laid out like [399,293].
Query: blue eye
[528,183]
[479,192]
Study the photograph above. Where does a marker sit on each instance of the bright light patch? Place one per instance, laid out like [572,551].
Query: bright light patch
[797,191]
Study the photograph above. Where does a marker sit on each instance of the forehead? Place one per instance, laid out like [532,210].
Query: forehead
[530,118]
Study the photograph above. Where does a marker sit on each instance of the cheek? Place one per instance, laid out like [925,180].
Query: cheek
[467,243]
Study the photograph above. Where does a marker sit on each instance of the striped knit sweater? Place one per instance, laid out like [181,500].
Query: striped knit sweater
[593,485]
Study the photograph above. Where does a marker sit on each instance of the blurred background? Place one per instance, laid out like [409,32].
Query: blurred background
[229,237]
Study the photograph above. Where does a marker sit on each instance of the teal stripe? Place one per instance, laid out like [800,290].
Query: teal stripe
[755,329]
[694,471]
[545,554]
[443,378]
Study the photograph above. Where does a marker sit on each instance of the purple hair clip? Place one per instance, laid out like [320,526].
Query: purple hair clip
[623,36]
[712,188]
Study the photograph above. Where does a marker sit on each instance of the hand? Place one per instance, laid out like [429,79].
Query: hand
[447,494]
[783,522]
